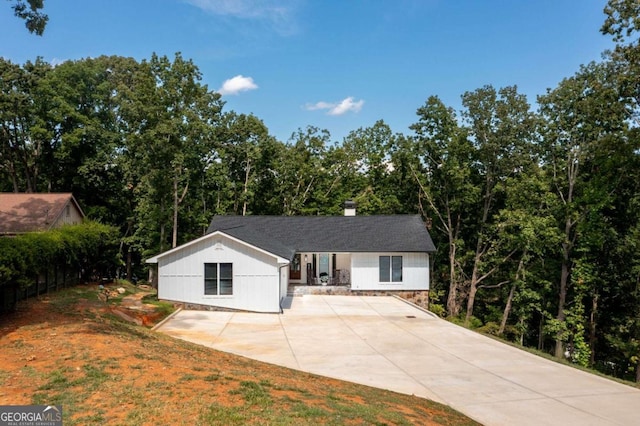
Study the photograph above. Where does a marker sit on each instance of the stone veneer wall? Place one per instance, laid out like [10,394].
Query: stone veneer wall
[418,297]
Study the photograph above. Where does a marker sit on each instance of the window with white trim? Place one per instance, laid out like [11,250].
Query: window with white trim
[390,269]
[218,279]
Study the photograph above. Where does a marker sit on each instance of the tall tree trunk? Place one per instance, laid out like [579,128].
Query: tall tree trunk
[452,299]
[562,293]
[480,249]
[177,200]
[162,225]
[129,265]
[14,181]
[507,307]
[541,333]
[12,172]
[473,285]
[246,187]
[476,280]
[507,310]
[174,239]
[567,246]
[592,330]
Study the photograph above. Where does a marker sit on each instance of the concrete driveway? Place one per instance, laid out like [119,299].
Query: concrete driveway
[387,343]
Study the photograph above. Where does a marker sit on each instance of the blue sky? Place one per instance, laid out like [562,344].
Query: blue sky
[336,65]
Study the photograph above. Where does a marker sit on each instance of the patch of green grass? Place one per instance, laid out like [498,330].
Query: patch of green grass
[188,377]
[253,393]
[302,392]
[29,371]
[57,380]
[368,414]
[303,411]
[145,408]
[57,392]
[266,383]
[130,393]
[212,377]
[217,414]
[96,418]
[140,355]
[165,308]
[62,389]
[65,299]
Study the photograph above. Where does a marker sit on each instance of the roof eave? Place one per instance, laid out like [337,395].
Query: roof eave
[154,259]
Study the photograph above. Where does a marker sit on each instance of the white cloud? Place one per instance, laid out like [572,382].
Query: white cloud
[319,105]
[279,13]
[237,84]
[338,108]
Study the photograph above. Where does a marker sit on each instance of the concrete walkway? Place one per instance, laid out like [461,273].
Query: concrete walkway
[386,343]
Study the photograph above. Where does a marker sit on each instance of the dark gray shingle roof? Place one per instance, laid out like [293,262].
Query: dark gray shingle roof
[286,235]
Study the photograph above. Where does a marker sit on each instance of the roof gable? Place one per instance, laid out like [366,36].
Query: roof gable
[21,213]
[279,258]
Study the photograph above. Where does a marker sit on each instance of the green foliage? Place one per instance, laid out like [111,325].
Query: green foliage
[29,11]
[437,309]
[88,247]
[435,297]
[472,323]
[623,19]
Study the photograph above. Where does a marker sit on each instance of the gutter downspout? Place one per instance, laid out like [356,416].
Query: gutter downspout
[280,286]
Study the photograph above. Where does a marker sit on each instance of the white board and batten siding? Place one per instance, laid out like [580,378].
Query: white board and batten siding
[365,272]
[256,274]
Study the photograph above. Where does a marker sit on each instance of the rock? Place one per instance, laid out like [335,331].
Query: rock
[126,317]
[121,290]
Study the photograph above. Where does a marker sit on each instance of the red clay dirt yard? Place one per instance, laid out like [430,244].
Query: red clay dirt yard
[98,359]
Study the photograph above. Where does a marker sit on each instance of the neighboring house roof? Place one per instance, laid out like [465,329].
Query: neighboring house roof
[286,235]
[21,213]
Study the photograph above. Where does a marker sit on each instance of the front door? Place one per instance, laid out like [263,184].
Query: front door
[324,269]
[294,268]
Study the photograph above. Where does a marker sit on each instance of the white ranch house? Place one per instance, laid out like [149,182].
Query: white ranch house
[248,262]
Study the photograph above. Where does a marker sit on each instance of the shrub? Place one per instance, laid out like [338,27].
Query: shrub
[83,247]
[473,321]
[437,309]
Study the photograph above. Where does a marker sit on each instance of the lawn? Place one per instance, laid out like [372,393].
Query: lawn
[76,350]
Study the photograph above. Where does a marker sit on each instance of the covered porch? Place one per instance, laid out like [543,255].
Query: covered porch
[320,269]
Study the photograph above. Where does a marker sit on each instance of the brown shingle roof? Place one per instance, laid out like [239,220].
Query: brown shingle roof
[32,212]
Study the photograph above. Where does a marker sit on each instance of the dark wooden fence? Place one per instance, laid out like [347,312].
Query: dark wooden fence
[56,278]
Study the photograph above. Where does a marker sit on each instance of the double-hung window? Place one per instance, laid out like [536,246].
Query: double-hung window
[390,269]
[218,279]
